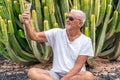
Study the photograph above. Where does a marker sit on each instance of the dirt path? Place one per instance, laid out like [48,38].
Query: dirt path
[101,68]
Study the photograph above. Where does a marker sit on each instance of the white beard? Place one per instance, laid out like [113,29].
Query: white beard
[68,26]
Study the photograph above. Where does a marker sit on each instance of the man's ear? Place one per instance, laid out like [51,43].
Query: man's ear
[80,23]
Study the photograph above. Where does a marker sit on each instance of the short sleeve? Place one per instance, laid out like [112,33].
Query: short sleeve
[50,36]
[87,49]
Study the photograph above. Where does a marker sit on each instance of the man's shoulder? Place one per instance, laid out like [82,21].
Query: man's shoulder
[85,37]
[54,32]
[56,29]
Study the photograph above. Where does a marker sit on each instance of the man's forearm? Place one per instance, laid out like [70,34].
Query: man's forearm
[30,31]
[75,70]
[77,67]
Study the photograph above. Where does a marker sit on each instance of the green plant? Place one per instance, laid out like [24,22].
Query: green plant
[101,25]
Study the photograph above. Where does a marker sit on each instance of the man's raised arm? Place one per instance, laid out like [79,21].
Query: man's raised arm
[32,34]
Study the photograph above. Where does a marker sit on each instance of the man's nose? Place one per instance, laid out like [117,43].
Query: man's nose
[67,20]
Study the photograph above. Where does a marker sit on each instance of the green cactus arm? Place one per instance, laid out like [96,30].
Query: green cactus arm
[23,54]
[102,34]
[16,47]
[108,42]
[3,12]
[55,25]
[65,15]
[117,28]
[39,14]
[7,45]
[102,11]
[107,52]
[36,51]
[3,51]
[116,52]
[108,2]
[25,33]
[64,5]
[58,15]
[4,31]
[35,21]
[34,44]
[22,6]
[21,33]
[50,4]
[43,3]
[118,6]
[87,9]
[112,25]
[47,15]
[15,57]
[87,31]
[76,4]
[63,8]
[16,7]
[47,47]
[51,11]
[93,31]
[97,10]
[46,25]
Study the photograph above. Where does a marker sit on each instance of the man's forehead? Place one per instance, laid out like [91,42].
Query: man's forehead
[72,14]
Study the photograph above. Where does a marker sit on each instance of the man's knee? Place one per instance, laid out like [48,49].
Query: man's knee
[83,76]
[39,74]
[31,72]
[89,75]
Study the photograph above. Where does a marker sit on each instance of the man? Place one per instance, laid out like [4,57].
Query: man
[71,49]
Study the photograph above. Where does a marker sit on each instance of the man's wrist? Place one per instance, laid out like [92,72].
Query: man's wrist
[26,22]
[67,76]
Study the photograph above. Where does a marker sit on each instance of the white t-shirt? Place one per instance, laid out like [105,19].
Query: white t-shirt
[65,52]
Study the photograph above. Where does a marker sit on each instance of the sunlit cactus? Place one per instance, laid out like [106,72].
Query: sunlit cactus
[102,26]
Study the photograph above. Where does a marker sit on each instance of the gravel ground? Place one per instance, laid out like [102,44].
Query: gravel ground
[12,71]
[105,70]
[101,68]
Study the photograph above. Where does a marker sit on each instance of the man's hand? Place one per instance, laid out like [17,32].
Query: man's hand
[26,17]
[65,78]
[77,67]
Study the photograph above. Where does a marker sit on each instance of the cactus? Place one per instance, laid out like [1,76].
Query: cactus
[102,26]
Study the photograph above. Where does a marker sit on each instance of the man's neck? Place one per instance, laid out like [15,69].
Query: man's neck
[73,34]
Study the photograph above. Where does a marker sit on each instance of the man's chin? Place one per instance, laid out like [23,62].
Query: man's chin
[68,27]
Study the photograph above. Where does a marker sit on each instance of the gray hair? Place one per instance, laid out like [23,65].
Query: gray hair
[80,14]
